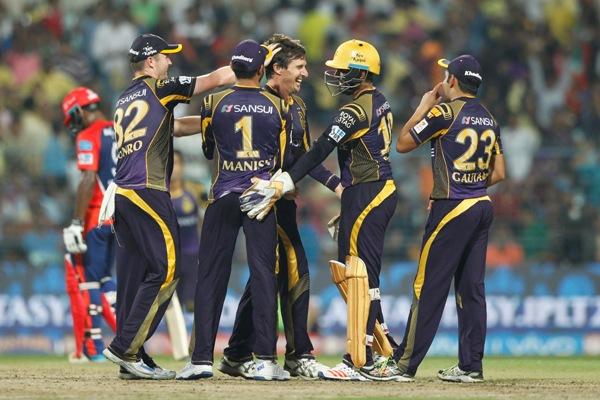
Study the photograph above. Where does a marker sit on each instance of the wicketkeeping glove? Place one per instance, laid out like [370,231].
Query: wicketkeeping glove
[259,198]
[73,238]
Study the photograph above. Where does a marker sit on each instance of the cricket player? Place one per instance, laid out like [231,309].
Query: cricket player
[186,209]
[467,158]
[244,128]
[92,247]
[145,222]
[284,75]
[361,130]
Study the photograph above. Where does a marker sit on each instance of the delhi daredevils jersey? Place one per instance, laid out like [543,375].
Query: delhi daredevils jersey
[96,151]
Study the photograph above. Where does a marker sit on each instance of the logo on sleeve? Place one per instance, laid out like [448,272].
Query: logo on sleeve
[185,80]
[85,158]
[336,133]
[85,145]
[420,126]
[345,119]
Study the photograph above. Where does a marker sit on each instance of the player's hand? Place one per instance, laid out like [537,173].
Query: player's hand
[429,204]
[73,238]
[432,97]
[272,49]
[339,189]
[333,227]
[259,198]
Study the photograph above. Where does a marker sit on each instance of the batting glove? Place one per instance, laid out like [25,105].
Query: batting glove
[73,237]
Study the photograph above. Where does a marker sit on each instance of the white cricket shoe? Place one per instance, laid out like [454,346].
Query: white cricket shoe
[342,372]
[193,372]
[455,374]
[137,368]
[305,368]
[269,370]
[245,369]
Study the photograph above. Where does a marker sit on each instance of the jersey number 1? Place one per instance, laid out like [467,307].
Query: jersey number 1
[245,126]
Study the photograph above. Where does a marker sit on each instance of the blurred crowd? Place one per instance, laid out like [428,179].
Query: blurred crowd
[540,61]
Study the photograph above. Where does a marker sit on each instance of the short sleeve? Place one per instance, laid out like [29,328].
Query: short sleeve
[175,90]
[88,151]
[436,123]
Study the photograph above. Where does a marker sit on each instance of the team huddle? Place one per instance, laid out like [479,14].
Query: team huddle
[259,142]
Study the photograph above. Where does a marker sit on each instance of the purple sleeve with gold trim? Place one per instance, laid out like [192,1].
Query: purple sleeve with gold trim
[435,123]
[175,90]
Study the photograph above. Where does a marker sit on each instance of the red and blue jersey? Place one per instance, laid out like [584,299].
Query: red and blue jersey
[96,151]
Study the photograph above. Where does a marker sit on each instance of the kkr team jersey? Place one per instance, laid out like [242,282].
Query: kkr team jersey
[299,141]
[247,127]
[363,133]
[186,210]
[464,136]
[96,151]
[144,126]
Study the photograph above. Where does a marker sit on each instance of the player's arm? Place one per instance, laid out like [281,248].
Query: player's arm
[497,171]
[346,123]
[88,153]
[208,138]
[186,126]
[409,139]
[325,177]
[320,173]
[84,194]
[219,77]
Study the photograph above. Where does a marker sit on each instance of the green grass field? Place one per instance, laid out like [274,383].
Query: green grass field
[506,378]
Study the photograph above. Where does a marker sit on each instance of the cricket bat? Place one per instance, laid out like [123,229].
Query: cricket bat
[177,329]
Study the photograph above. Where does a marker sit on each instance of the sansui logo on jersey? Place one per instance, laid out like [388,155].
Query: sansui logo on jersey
[247,108]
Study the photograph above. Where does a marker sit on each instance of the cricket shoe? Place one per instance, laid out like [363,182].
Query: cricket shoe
[269,370]
[137,368]
[305,368]
[384,369]
[245,369]
[126,375]
[342,372]
[193,372]
[159,372]
[455,374]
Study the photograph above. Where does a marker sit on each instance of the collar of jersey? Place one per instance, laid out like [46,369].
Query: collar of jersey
[372,89]
[246,87]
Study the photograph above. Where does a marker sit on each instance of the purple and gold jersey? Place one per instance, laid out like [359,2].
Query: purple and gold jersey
[247,128]
[299,142]
[143,124]
[464,136]
[186,209]
[363,133]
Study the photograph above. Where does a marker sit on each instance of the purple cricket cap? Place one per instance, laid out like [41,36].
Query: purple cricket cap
[248,55]
[147,45]
[465,68]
